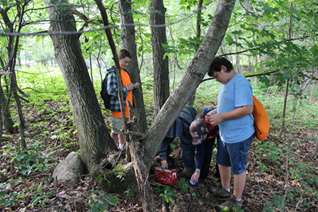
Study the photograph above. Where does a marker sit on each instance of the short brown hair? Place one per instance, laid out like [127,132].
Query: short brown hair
[216,65]
[123,53]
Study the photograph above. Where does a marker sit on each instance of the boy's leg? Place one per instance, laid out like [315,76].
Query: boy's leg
[121,141]
[188,156]
[188,152]
[225,172]
[114,137]
[238,156]
[224,164]
[239,184]
[209,144]
[116,134]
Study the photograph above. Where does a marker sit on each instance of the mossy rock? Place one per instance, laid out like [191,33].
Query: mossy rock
[119,181]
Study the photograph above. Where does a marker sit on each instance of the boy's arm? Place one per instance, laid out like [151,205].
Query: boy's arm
[200,156]
[234,114]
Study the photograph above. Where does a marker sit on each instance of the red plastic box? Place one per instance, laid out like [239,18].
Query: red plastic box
[167,176]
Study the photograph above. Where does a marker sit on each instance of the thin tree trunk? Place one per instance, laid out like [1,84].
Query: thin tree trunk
[160,64]
[284,110]
[290,139]
[128,38]
[91,68]
[19,107]
[198,34]
[12,55]
[1,99]
[95,141]
[5,112]
[287,85]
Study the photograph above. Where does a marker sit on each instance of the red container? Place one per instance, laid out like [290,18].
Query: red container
[167,176]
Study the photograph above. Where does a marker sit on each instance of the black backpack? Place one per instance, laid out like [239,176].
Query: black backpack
[105,96]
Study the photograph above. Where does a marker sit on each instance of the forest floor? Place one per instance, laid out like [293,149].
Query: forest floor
[28,187]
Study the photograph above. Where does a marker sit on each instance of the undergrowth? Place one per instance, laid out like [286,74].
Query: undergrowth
[53,132]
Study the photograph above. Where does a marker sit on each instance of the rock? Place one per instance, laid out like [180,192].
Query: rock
[69,170]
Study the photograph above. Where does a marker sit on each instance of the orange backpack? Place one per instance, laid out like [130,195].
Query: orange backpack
[261,121]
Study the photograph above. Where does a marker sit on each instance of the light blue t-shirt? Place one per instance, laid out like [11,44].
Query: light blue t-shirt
[236,93]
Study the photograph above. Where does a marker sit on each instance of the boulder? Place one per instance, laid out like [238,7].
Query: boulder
[69,170]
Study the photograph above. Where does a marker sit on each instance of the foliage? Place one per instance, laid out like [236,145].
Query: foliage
[167,194]
[119,172]
[100,201]
[39,194]
[30,159]
[129,193]
[9,198]
[184,185]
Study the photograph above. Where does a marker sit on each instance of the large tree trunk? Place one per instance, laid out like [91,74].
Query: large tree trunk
[160,65]
[128,38]
[95,141]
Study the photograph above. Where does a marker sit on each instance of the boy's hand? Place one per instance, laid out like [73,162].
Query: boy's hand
[215,119]
[196,176]
[130,87]
[136,85]
[212,112]
[175,153]
[164,164]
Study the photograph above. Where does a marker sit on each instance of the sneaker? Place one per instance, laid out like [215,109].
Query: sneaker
[228,205]
[220,192]
[187,172]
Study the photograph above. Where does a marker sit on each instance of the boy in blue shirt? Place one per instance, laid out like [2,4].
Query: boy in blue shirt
[235,105]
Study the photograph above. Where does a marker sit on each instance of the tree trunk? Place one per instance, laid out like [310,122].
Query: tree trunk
[1,99]
[95,141]
[12,49]
[160,65]
[5,112]
[128,38]
[198,34]
[19,107]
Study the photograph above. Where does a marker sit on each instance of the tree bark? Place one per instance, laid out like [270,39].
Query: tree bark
[128,38]
[198,35]
[141,171]
[95,141]
[160,65]
[1,99]
[7,118]
[5,112]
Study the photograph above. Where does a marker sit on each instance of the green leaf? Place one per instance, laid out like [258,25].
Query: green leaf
[3,192]
[229,39]
[94,208]
[113,200]
[101,207]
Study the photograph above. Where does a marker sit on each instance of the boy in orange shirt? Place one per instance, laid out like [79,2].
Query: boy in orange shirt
[124,58]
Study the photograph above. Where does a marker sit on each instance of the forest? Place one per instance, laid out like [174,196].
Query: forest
[54,55]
